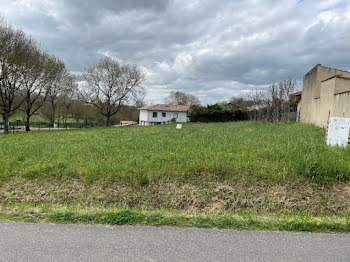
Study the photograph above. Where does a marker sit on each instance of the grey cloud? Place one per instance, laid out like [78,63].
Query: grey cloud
[213,49]
[88,11]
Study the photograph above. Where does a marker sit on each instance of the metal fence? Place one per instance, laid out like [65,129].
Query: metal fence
[41,126]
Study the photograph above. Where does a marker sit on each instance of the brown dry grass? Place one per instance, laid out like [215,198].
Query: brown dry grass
[215,196]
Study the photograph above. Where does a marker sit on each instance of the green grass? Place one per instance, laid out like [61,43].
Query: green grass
[35,118]
[214,170]
[221,152]
[302,222]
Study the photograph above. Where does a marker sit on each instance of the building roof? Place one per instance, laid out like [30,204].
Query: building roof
[340,70]
[335,68]
[162,107]
[336,76]
[296,94]
[128,122]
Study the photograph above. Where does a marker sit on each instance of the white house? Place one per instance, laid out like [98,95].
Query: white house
[162,114]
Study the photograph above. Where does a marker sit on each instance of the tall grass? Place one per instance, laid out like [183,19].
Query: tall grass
[198,153]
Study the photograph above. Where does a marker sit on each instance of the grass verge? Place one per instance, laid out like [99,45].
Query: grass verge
[300,222]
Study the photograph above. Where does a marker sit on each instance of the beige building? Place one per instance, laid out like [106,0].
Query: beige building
[326,92]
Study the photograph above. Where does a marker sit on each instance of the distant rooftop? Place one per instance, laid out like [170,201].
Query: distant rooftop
[296,94]
[163,107]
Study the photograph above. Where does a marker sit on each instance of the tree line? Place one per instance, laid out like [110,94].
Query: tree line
[270,104]
[33,81]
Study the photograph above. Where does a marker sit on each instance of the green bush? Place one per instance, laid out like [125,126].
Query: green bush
[217,113]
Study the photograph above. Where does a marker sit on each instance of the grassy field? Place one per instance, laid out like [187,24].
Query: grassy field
[223,167]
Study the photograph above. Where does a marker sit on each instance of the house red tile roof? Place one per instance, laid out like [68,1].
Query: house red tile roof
[162,107]
[296,93]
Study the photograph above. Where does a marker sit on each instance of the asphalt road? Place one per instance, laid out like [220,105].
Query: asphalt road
[47,242]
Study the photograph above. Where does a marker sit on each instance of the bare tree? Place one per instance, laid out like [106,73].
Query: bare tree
[69,96]
[272,104]
[59,85]
[111,84]
[278,100]
[14,46]
[37,75]
[180,98]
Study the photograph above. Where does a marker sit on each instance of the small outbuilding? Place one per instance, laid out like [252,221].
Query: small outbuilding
[127,123]
[294,101]
[162,114]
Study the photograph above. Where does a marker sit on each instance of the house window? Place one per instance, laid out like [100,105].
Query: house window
[154,114]
[163,114]
[175,115]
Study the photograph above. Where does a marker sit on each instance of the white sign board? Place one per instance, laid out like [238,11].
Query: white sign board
[338,131]
[178,126]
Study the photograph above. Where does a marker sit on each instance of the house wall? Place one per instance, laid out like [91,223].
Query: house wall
[143,117]
[298,113]
[312,109]
[342,85]
[325,106]
[342,105]
[146,117]
[182,116]
[308,96]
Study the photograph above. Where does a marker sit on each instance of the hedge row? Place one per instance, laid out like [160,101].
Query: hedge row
[215,113]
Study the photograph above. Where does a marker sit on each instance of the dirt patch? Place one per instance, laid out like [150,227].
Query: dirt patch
[212,196]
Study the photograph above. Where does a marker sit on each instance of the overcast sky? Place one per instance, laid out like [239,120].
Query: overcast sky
[214,49]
